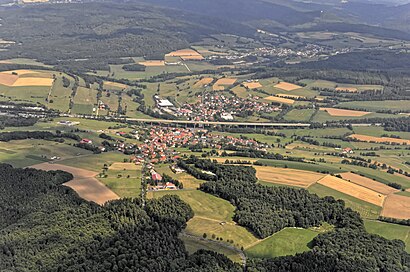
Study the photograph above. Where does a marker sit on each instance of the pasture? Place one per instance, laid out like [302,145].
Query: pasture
[393,105]
[389,231]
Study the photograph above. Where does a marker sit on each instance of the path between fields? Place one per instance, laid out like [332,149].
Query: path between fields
[84,183]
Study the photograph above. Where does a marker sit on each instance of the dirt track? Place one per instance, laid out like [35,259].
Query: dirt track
[84,183]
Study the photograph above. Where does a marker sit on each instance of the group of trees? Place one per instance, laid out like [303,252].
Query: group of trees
[44,135]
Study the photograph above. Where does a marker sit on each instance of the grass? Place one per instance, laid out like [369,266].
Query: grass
[299,115]
[288,241]
[389,231]
[394,105]
[95,162]
[124,187]
[365,209]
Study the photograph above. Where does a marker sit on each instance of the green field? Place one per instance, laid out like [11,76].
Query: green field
[389,231]
[95,162]
[302,166]
[302,115]
[394,105]
[288,241]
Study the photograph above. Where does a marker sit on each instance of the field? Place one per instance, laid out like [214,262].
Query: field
[183,53]
[24,78]
[204,81]
[252,85]
[287,86]
[110,84]
[287,176]
[150,63]
[368,183]
[366,138]
[353,190]
[213,216]
[280,100]
[288,241]
[302,115]
[389,231]
[341,112]
[366,210]
[397,206]
[84,183]
[222,83]
[394,105]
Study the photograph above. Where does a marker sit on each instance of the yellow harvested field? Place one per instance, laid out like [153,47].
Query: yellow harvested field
[346,89]
[84,183]
[222,83]
[33,81]
[183,53]
[279,99]
[353,190]
[152,63]
[287,86]
[8,79]
[397,206]
[287,176]
[204,81]
[252,85]
[20,72]
[366,138]
[290,96]
[196,57]
[368,183]
[115,84]
[341,112]
[124,166]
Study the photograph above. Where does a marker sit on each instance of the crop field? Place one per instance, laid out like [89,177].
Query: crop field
[288,241]
[204,81]
[252,85]
[397,206]
[150,63]
[279,100]
[183,53]
[84,183]
[287,86]
[389,231]
[366,209]
[353,190]
[368,183]
[287,176]
[115,85]
[341,112]
[366,138]
[222,83]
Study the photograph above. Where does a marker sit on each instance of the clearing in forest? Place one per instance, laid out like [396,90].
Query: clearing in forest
[287,176]
[353,189]
[368,183]
[397,206]
[287,86]
[342,112]
[84,183]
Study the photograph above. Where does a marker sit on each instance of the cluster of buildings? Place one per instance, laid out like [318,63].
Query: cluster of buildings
[214,107]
